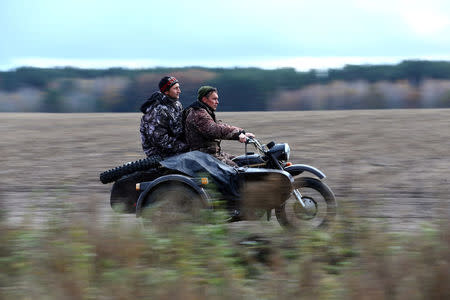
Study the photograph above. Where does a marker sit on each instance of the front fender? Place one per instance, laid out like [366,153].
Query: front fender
[298,169]
[149,186]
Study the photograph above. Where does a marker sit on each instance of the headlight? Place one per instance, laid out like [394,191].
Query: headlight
[287,150]
[280,151]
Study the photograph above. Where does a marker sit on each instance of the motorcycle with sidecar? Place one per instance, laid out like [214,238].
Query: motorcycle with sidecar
[187,184]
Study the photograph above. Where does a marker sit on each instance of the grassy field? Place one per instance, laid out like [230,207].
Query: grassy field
[389,169]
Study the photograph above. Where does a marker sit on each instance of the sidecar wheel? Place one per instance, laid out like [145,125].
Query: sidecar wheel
[171,204]
[320,201]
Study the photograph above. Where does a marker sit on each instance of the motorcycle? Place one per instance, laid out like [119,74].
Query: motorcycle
[311,201]
[182,186]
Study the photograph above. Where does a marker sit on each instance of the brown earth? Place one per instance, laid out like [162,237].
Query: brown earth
[383,165]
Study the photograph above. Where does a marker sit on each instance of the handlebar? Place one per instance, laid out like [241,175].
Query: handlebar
[256,143]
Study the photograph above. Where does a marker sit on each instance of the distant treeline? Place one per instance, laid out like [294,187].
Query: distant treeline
[409,84]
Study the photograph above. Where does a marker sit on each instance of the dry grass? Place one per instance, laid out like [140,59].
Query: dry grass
[76,258]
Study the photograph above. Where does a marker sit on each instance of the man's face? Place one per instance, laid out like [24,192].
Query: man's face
[212,101]
[174,92]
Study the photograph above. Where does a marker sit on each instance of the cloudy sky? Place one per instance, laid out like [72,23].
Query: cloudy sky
[261,33]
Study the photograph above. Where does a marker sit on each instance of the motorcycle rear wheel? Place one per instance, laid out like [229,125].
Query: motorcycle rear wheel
[322,205]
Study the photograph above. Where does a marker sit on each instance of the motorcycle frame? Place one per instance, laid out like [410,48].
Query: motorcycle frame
[195,184]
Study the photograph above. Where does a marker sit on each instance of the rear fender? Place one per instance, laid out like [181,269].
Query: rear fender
[298,169]
[149,186]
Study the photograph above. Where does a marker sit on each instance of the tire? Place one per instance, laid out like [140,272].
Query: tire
[124,195]
[172,204]
[318,195]
[128,168]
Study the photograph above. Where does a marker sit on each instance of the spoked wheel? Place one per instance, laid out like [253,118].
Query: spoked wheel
[172,204]
[320,205]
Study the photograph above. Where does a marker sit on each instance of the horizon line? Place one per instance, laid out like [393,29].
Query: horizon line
[300,64]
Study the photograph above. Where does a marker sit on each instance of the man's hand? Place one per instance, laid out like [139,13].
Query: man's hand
[243,136]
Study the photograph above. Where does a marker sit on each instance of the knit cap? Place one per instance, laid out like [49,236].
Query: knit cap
[166,83]
[204,90]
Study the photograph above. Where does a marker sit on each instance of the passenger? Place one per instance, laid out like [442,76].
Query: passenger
[203,132]
[161,128]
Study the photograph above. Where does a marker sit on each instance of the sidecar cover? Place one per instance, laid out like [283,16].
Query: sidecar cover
[196,163]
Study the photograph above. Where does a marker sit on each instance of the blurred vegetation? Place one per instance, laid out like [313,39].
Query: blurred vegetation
[409,84]
[80,258]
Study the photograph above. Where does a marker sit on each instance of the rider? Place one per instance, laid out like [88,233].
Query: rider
[204,132]
[161,129]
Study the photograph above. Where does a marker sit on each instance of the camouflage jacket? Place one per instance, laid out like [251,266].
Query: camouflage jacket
[203,132]
[161,129]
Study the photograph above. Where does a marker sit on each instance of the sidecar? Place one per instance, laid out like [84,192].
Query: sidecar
[195,181]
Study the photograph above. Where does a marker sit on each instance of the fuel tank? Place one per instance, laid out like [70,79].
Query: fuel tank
[250,160]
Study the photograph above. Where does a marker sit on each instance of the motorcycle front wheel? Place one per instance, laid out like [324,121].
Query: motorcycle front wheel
[320,205]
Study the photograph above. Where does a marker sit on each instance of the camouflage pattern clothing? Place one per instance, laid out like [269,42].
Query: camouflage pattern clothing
[161,129]
[204,133]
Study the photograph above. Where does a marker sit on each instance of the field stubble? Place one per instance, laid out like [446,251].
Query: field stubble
[383,165]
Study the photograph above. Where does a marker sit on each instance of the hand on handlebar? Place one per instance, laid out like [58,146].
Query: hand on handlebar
[243,138]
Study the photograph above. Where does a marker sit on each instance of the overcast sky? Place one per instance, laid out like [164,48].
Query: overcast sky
[227,33]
